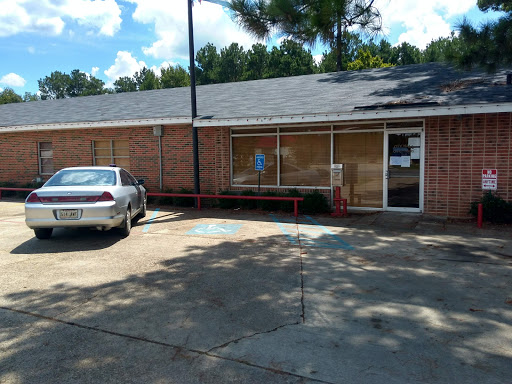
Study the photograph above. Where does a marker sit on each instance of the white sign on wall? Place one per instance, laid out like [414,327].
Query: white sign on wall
[490,179]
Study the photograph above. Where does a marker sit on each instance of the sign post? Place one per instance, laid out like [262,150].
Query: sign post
[490,179]
[259,166]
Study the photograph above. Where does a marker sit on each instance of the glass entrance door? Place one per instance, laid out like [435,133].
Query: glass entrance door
[404,176]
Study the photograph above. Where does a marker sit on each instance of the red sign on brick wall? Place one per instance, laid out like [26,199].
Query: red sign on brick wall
[490,179]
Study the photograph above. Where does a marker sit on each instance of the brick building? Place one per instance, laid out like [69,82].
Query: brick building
[412,138]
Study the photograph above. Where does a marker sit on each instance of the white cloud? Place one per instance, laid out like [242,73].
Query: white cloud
[423,21]
[318,58]
[49,17]
[124,65]
[170,20]
[13,80]
[94,71]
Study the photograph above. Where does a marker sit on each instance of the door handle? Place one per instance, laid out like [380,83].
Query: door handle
[387,175]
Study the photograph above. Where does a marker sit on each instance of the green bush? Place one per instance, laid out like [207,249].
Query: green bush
[315,203]
[248,204]
[228,203]
[166,200]
[184,201]
[270,205]
[287,206]
[19,194]
[495,209]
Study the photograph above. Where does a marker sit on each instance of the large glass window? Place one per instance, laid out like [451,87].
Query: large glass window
[108,152]
[244,151]
[362,157]
[305,160]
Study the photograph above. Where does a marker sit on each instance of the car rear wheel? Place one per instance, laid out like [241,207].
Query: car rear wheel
[127,226]
[43,233]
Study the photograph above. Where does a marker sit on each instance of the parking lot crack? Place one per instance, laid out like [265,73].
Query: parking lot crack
[179,350]
[78,305]
[251,336]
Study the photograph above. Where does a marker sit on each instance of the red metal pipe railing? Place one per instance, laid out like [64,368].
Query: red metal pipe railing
[199,197]
[15,189]
[237,197]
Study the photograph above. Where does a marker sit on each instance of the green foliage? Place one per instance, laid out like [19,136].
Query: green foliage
[270,205]
[166,200]
[232,63]
[495,5]
[308,21]
[490,45]
[19,194]
[366,60]
[248,204]
[8,96]
[173,77]
[495,209]
[290,59]
[228,203]
[60,85]
[184,201]
[287,206]
[146,80]
[125,84]
[207,68]
[315,203]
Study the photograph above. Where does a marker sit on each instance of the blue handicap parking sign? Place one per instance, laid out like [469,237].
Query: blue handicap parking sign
[260,162]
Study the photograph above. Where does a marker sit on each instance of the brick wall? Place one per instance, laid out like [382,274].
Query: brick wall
[457,148]
[19,154]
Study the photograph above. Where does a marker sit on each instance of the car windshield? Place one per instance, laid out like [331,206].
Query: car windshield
[82,177]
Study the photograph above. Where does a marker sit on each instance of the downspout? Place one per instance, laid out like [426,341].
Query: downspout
[160,159]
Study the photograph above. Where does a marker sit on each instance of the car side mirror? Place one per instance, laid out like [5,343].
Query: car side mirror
[140,181]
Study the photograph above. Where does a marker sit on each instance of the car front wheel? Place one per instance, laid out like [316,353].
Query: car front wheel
[43,233]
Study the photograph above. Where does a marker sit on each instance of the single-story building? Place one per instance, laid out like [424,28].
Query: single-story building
[410,138]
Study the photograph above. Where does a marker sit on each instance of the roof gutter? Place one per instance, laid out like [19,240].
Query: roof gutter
[98,124]
[394,113]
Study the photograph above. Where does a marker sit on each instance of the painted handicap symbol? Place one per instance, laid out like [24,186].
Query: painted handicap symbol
[215,229]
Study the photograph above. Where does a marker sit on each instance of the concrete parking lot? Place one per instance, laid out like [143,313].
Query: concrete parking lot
[231,296]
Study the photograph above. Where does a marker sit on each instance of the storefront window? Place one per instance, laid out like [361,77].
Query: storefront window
[362,157]
[244,151]
[305,160]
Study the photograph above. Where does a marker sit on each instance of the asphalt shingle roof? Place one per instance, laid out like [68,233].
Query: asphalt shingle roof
[300,95]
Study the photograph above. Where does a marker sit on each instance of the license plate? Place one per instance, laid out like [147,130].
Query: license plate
[68,214]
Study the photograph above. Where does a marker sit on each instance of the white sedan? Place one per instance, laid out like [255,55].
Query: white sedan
[95,197]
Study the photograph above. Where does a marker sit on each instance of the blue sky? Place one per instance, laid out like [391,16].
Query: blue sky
[113,38]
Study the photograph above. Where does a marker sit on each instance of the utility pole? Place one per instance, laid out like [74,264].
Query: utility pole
[195,141]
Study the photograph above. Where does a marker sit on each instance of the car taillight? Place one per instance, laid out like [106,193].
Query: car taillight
[107,196]
[33,198]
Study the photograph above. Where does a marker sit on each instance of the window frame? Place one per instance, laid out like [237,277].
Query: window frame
[40,157]
[112,157]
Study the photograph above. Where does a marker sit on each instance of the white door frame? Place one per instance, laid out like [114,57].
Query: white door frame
[387,132]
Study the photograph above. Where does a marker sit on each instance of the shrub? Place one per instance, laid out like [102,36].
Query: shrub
[228,203]
[495,209]
[287,206]
[315,203]
[184,201]
[166,200]
[248,204]
[270,205]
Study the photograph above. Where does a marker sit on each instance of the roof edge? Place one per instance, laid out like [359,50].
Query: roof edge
[97,124]
[358,115]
